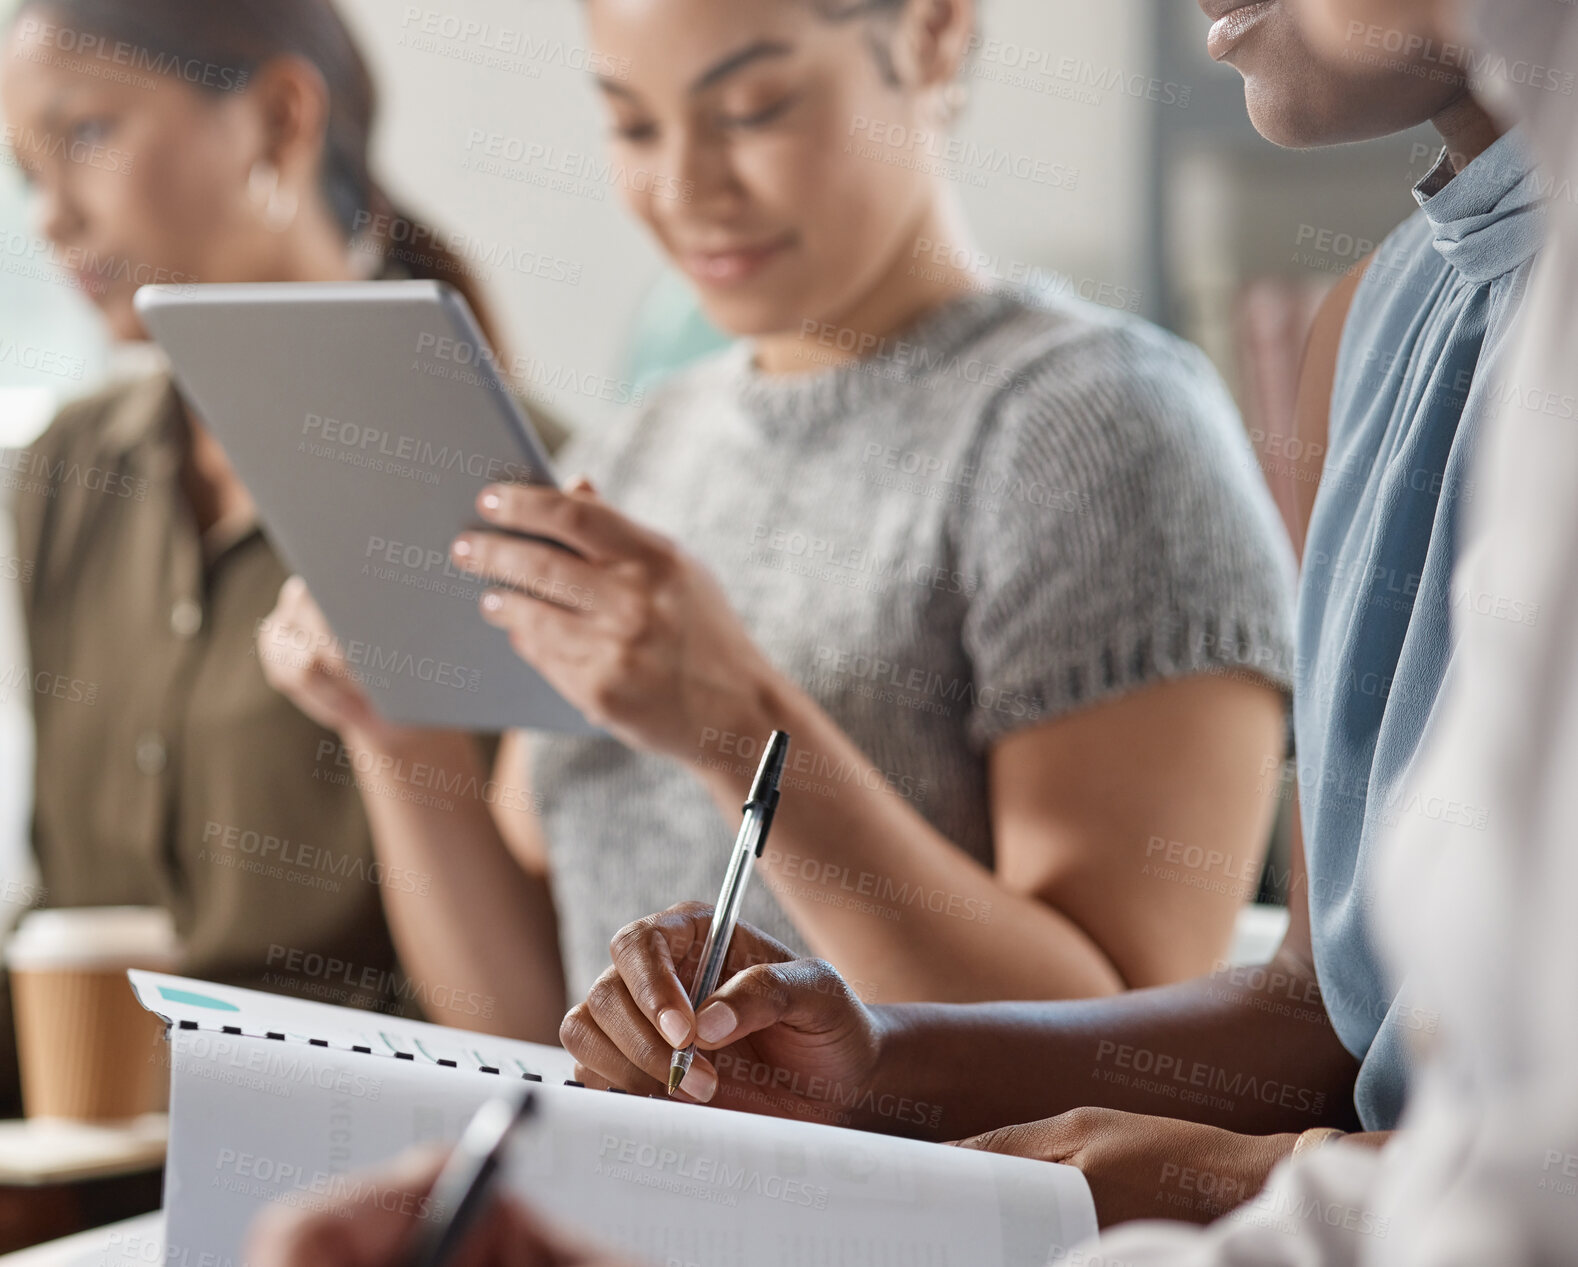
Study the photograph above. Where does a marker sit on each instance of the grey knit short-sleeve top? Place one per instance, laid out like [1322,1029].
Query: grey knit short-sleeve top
[1009,513]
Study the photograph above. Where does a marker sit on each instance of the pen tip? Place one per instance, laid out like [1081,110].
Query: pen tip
[676,1075]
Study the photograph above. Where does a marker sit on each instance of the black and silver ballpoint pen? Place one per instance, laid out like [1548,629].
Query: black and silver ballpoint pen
[748,847]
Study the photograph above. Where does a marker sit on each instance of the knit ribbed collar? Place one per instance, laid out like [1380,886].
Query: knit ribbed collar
[781,400]
[1489,219]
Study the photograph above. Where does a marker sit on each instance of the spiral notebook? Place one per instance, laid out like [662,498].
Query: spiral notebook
[277,1099]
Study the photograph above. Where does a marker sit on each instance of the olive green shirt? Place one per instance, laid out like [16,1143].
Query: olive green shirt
[169,772]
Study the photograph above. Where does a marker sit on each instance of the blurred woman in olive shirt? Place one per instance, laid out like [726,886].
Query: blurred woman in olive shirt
[168,772]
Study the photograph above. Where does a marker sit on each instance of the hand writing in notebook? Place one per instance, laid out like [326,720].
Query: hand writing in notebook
[780,1036]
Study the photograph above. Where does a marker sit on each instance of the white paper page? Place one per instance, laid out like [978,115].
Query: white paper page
[135,1242]
[213,1007]
[678,1185]
[256,1120]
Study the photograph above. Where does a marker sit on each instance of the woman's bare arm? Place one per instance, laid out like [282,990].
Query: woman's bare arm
[477,934]
[465,882]
[1127,838]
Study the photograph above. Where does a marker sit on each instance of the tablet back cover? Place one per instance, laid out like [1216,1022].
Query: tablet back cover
[365,419]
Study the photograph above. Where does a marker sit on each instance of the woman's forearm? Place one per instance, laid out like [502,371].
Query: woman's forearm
[903,912]
[1248,1049]
[475,930]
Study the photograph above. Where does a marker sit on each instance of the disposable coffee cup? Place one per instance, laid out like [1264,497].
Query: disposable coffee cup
[88,1050]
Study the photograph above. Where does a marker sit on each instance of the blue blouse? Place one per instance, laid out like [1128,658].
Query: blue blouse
[1415,381]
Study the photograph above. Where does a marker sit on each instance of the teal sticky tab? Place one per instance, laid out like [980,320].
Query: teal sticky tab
[196,1000]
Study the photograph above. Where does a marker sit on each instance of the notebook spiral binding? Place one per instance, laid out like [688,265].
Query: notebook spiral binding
[527,1075]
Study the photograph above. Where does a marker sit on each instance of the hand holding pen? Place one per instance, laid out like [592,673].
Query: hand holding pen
[781,1035]
[748,846]
[463,1190]
[772,1009]
[421,1205]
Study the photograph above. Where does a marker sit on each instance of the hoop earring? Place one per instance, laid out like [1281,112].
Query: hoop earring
[277,206]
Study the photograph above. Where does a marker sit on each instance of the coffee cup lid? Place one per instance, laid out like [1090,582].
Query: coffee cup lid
[92,937]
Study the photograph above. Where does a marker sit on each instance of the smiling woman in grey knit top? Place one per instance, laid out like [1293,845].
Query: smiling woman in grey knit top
[1005,570]
[1011,514]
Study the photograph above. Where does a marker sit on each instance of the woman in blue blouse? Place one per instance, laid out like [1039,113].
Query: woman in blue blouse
[1226,1075]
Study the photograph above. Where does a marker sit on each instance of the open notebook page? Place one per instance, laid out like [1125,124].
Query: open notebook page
[298,1104]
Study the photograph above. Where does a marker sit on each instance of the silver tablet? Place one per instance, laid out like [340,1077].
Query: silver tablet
[365,418]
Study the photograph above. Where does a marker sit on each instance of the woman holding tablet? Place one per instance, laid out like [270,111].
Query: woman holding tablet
[168,773]
[1005,570]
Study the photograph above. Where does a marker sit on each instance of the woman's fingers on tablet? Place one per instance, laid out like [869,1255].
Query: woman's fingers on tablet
[285,644]
[345,700]
[579,520]
[532,568]
[549,637]
[302,660]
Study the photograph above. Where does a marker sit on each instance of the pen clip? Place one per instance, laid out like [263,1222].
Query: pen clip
[768,807]
[763,798]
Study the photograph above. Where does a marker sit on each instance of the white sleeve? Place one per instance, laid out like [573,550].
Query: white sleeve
[1479,918]
[1482,920]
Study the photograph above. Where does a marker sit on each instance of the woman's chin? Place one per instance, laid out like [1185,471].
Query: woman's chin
[744,317]
[1285,121]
